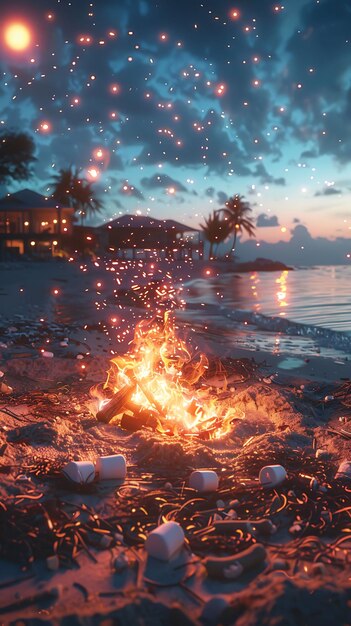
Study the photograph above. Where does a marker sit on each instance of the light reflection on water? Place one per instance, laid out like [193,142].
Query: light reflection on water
[318,297]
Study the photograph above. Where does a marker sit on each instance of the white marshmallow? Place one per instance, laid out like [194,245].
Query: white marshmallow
[165,541]
[79,471]
[272,475]
[111,467]
[47,354]
[204,480]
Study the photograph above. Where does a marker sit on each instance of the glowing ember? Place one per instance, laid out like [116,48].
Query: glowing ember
[160,375]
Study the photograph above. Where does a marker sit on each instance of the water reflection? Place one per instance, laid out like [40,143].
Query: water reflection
[282,292]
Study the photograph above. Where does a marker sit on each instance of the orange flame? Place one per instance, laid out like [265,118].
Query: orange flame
[163,374]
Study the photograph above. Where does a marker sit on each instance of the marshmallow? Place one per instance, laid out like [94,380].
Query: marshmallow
[204,480]
[272,475]
[111,467]
[165,541]
[47,354]
[79,471]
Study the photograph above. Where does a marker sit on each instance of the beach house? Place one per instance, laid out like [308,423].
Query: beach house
[32,224]
[142,236]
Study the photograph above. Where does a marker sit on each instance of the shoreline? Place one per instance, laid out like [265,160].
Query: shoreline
[281,416]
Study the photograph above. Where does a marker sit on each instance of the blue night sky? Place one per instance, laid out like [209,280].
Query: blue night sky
[172,106]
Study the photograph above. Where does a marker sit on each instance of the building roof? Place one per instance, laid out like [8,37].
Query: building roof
[144,221]
[26,199]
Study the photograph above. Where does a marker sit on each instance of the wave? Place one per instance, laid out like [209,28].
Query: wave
[323,336]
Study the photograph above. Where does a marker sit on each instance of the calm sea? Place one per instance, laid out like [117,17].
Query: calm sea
[304,311]
[318,297]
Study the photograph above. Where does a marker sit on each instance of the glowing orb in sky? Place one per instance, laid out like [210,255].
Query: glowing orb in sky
[17,36]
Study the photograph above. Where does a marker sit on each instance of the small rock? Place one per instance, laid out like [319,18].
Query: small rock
[322,454]
[220,504]
[105,541]
[213,609]
[53,562]
[6,389]
[328,398]
[121,563]
[280,564]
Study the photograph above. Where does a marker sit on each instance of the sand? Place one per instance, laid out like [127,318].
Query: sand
[281,416]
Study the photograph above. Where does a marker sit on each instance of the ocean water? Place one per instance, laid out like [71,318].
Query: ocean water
[304,311]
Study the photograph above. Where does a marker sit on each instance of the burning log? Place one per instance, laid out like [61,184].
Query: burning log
[116,404]
[135,422]
[148,395]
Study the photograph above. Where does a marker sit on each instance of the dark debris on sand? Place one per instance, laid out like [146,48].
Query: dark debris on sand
[305,580]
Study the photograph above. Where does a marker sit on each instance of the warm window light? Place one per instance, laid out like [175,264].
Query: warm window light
[55,221]
[64,221]
[54,243]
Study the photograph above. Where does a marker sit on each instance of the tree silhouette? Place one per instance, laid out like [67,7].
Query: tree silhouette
[71,190]
[16,156]
[216,230]
[236,211]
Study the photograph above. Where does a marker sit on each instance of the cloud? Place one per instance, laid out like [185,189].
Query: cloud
[130,190]
[319,89]
[209,192]
[302,249]
[222,197]
[264,220]
[261,172]
[162,181]
[328,191]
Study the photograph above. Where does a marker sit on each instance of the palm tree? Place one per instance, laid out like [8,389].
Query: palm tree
[216,230]
[85,202]
[237,211]
[16,156]
[72,190]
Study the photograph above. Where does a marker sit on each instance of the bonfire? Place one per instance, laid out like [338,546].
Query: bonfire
[159,383]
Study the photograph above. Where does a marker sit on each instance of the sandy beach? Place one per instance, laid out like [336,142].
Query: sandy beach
[74,553]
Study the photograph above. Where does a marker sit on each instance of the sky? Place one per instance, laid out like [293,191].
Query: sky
[170,107]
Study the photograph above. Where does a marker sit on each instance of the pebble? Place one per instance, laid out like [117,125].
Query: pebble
[53,562]
[280,564]
[121,563]
[213,609]
[344,470]
[105,541]
[322,454]
[220,504]
[295,528]
[6,389]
